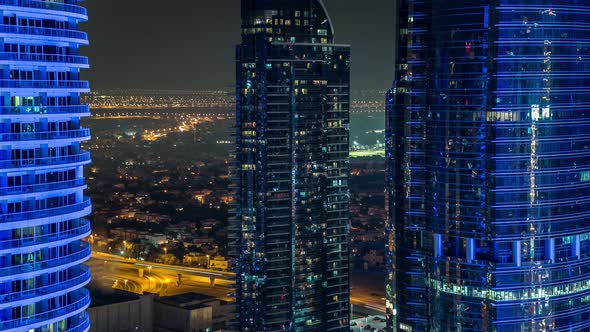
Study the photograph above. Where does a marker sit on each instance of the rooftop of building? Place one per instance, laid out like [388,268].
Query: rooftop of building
[101,297]
[187,300]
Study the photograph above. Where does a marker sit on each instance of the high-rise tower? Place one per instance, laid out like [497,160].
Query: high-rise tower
[290,234]
[489,167]
[42,206]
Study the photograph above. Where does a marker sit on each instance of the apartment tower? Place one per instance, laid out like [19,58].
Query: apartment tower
[290,231]
[42,205]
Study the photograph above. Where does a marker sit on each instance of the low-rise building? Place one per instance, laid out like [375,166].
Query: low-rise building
[219,263]
[195,259]
[190,312]
[121,311]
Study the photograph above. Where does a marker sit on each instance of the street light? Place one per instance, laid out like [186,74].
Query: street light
[165,251]
[208,262]
[150,270]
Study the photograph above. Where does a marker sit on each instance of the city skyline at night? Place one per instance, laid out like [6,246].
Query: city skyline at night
[295,165]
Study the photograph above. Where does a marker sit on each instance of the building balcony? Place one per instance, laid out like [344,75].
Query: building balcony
[36,268]
[79,61]
[83,157]
[29,243]
[77,281]
[36,4]
[44,136]
[44,33]
[44,110]
[46,213]
[44,84]
[83,325]
[42,187]
[80,300]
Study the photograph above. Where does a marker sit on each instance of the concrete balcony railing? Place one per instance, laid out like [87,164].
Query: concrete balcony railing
[78,280]
[49,161]
[45,5]
[44,32]
[82,254]
[78,232]
[38,57]
[48,135]
[71,109]
[79,301]
[83,325]
[42,187]
[46,213]
[43,84]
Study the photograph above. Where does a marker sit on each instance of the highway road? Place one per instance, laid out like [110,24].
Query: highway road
[181,269]
[364,304]
[368,293]
[110,272]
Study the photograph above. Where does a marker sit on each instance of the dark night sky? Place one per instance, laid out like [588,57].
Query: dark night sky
[189,44]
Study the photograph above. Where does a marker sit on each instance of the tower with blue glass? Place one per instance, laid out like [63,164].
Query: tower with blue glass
[488,151]
[289,233]
[42,205]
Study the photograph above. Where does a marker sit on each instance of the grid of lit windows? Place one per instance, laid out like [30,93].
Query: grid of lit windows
[487,167]
[290,231]
[42,206]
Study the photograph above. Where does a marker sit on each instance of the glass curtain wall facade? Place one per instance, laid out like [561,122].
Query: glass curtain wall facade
[489,167]
[42,206]
[290,233]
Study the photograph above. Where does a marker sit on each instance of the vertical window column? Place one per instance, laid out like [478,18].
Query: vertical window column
[438,245]
[550,250]
[576,245]
[517,253]
[470,250]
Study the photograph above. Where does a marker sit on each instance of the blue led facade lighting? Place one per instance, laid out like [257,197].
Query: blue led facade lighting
[42,205]
[488,151]
[289,235]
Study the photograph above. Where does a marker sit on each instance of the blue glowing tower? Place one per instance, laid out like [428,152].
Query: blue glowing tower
[42,205]
[488,141]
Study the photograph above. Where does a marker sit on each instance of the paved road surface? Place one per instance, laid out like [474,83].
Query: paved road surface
[368,293]
[119,273]
[124,276]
